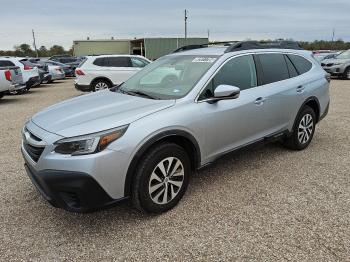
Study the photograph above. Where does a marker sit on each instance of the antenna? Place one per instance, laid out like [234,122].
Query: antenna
[186,17]
[36,50]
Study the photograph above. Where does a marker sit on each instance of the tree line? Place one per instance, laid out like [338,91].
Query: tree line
[24,50]
[326,45]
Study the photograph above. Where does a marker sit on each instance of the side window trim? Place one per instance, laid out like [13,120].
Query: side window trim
[286,57]
[299,73]
[259,70]
[210,79]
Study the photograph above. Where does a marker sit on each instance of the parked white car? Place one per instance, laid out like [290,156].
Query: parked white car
[100,72]
[30,74]
[10,79]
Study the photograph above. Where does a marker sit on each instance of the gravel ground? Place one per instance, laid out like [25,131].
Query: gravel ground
[266,203]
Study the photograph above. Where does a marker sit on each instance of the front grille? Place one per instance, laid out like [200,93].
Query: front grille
[33,145]
[330,64]
[323,64]
[33,152]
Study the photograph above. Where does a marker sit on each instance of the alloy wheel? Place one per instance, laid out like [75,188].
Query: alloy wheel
[166,180]
[305,128]
[100,86]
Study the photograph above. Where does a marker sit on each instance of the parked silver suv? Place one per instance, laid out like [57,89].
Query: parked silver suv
[338,66]
[142,139]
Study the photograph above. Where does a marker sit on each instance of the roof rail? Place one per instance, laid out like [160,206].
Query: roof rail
[190,47]
[246,45]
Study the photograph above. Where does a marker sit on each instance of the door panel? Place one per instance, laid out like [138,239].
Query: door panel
[235,122]
[232,123]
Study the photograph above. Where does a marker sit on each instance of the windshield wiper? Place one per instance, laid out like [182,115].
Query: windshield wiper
[139,93]
[115,88]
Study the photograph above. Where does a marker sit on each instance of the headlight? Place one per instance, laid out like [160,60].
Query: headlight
[89,144]
[338,63]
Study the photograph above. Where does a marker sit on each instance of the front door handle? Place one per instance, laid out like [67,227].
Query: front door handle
[300,89]
[260,100]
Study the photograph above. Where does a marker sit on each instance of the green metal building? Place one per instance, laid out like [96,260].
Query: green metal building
[152,48]
[101,47]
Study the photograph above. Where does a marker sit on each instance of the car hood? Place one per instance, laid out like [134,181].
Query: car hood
[334,60]
[96,112]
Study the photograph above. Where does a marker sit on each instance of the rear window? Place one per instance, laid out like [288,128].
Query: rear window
[113,61]
[300,63]
[6,63]
[119,61]
[274,67]
[101,61]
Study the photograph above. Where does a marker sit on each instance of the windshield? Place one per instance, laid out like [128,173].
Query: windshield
[344,55]
[170,77]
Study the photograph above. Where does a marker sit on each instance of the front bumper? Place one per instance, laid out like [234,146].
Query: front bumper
[334,70]
[84,88]
[72,191]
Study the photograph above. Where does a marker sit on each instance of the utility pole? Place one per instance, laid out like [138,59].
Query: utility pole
[333,34]
[208,34]
[36,50]
[186,24]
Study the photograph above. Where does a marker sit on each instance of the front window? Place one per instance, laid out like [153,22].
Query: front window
[171,77]
[344,55]
[239,72]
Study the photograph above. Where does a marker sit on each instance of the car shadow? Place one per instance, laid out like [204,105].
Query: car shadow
[233,164]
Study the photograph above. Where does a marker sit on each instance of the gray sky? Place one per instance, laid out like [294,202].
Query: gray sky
[61,22]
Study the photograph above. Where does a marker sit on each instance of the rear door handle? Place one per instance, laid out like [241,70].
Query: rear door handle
[300,89]
[260,100]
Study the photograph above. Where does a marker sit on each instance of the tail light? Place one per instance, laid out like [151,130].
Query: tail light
[27,67]
[8,75]
[79,72]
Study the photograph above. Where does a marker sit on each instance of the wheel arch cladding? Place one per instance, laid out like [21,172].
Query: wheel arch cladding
[314,104]
[179,137]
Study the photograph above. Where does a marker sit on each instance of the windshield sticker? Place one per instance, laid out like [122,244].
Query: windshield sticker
[176,90]
[204,60]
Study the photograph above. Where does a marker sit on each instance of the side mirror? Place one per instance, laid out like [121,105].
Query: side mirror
[223,92]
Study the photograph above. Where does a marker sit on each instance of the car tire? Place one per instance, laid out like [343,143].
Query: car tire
[100,84]
[303,131]
[161,178]
[1,95]
[347,73]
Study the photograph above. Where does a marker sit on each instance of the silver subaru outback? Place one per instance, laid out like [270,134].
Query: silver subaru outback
[143,139]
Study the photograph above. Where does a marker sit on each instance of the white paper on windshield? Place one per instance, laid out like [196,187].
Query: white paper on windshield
[204,60]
